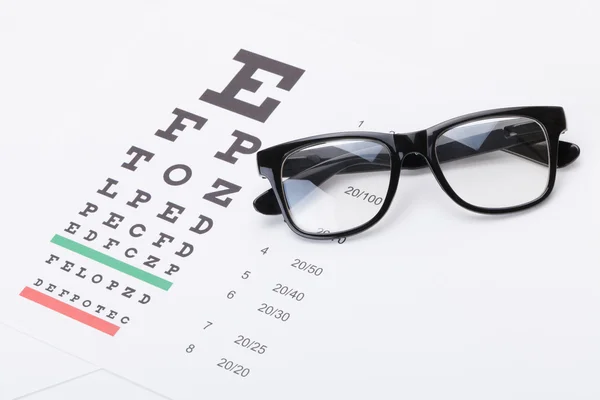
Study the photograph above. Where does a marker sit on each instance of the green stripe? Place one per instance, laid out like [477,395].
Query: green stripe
[111,262]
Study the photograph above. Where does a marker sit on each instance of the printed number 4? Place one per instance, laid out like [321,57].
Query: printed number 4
[264,251]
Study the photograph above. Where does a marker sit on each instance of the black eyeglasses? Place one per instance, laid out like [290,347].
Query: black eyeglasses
[340,184]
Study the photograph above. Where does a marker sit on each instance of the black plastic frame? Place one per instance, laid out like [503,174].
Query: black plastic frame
[401,145]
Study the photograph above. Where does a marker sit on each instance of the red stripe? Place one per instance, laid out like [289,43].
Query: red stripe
[70,311]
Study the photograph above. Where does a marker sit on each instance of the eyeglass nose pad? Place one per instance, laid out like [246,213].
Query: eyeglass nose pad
[509,132]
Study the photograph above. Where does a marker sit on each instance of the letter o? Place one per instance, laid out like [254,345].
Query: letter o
[185,168]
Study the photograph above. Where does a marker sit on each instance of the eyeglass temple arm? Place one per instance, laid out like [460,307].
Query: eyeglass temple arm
[327,162]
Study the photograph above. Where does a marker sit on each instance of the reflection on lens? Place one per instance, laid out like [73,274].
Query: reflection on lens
[336,186]
[482,161]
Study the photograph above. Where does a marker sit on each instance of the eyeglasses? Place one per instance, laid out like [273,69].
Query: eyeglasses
[340,184]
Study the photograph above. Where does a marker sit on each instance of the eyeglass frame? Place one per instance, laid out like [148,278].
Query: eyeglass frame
[400,145]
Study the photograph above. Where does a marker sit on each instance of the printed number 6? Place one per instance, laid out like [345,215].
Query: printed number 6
[231,294]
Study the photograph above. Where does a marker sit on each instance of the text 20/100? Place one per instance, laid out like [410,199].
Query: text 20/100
[361,194]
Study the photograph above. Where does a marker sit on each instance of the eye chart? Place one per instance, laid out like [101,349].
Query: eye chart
[156,266]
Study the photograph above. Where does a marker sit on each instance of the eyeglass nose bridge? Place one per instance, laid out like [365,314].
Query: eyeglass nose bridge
[412,149]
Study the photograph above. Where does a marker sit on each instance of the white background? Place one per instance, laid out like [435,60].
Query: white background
[499,308]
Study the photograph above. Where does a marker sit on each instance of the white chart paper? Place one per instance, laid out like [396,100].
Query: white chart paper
[141,228]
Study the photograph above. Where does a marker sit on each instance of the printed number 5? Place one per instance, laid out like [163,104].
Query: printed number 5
[246,275]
